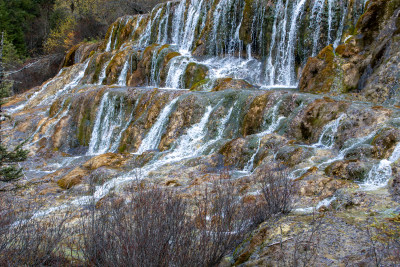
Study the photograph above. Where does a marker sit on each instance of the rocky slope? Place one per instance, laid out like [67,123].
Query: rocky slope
[122,109]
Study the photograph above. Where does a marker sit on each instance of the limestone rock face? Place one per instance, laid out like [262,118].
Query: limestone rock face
[307,125]
[367,63]
[353,170]
[320,72]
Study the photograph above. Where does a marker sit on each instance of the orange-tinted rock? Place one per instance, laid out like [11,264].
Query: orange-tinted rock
[73,178]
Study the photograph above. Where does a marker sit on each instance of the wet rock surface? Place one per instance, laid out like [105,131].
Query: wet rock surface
[183,109]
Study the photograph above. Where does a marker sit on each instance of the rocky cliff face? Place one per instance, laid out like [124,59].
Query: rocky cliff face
[366,64]
[198,86]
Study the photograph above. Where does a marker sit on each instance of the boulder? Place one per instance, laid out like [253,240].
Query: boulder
[353,170]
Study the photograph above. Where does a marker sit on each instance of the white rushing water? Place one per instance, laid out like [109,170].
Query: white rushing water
[123,74]
[380,173]
[71,85]
[108,124]
[108,47]
[187,145]
[102,74]
[183,23]
[186,35]
[177,68]
[267,62]
[316,18]
[328,135]
[274,122]
[153,137]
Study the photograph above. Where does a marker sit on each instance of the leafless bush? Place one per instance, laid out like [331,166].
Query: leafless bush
[157,227]
[28,241]
[222,223]
[277,190]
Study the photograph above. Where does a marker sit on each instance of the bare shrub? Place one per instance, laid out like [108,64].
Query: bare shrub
[277,190]
[222,221]
[29,241]
[157,227]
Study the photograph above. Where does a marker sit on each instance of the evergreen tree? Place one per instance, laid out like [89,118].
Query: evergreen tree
[8,159]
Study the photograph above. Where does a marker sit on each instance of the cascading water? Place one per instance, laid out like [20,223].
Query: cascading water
[339,33]
[380,173]
[236,46]
[71,85]
[316,18]
[124,72]
[102,75]
[108,47]
[217,34]
[152,140]
[274,122]
[327,137]
[186,35]
[109,122]
[177,67]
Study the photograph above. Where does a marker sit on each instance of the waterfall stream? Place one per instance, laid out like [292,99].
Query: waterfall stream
[221,24]
[260,43]
[153,137]
[108,125]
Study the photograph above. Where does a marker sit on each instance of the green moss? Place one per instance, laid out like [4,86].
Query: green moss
[199,86]
[194,73]
[70,57]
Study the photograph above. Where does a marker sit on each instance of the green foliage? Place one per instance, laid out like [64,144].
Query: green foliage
[62,37]
[11,56]
[15,16]
[8,168]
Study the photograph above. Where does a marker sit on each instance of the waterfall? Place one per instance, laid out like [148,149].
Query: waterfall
[145,38]
[220,132]
[339,33]
[187,145]
[109,122]
[228,15]
[124,72]
[52,122]
[178,21]
[187,36]
[275,120]
[281,70]
[316,20]
[330,18]
[266,59]
[102,74]
[108,47]
[177,67]
[153,137]
[162,36]
[380,173]
[71,85]
[327,137]
[270,67]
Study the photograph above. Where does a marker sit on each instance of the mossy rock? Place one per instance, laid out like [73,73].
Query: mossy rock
[70,56]
[253,119]
[194,73]
[353,170]
[230,83]
[319,73]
